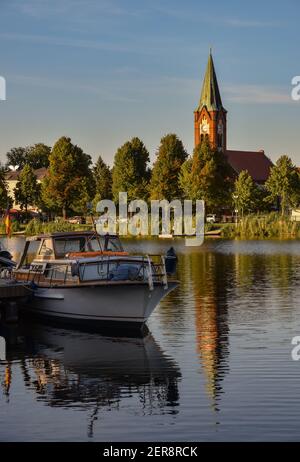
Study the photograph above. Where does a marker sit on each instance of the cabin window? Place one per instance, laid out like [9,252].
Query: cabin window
[112,244]
[64,246]
[46,248]
[107,243]
[94,244]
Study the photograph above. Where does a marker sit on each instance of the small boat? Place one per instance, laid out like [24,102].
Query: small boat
[165,236]
[81,277]
[214,232]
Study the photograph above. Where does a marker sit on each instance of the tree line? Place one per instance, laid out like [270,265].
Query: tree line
[72,180]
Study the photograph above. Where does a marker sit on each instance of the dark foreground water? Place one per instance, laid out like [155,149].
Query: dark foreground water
[216,364]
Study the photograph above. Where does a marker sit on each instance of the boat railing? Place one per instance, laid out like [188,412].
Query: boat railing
[150,268]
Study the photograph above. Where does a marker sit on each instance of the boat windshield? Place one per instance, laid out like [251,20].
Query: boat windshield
[67,245]
[108,244]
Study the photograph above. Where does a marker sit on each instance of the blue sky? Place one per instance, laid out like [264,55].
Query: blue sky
[103,71]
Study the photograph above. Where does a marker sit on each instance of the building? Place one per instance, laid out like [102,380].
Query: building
[210,120]
[12,177]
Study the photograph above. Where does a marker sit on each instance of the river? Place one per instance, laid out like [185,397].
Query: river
[216,364]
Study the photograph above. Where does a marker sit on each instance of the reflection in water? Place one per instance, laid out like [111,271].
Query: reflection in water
[69,368]
[211,318]
[229,324]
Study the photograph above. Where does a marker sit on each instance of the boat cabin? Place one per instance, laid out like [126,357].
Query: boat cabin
[71,245]
[84,258]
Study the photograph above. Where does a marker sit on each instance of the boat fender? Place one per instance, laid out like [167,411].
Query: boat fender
[171,261]
[33,285]
[74,269]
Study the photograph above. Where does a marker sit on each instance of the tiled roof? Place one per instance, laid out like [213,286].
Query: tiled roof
[40,173]
[256,162]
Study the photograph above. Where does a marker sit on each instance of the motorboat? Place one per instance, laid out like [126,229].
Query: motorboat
[86,278]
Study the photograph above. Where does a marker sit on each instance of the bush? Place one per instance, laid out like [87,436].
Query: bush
[15,227]
[272,225]
[35,226]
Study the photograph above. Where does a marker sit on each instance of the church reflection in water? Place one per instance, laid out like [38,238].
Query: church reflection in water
[74,369]
[210,281]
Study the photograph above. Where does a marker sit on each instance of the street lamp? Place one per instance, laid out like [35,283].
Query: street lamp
[235,198]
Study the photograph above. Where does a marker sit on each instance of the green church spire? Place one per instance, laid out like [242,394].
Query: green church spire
[210,95]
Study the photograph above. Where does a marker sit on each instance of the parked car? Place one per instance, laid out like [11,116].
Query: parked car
[77,220]
[211,218]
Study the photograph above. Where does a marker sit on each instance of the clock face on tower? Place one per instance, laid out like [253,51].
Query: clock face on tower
[204,127]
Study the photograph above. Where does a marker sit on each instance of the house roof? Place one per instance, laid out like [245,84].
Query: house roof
[13,175]
[210,94]
[256,163]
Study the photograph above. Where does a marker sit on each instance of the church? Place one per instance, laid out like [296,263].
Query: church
[210,120]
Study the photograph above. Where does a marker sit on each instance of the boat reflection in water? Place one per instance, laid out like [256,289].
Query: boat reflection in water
[90,371]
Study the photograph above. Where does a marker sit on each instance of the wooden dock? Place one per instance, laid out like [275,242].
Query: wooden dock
[12,290]
[12,293]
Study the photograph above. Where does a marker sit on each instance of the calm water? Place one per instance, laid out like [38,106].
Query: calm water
[215,366]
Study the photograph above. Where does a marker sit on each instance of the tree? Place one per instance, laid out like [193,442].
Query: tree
[27,190]
[283,184]
[130,172]
[66,182]
[184,179]
[17,157]
[103,180]
[164,179]
[4,197]
[38,156]
[245,193]
[207,176]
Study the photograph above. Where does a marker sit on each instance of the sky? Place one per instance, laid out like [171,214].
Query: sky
[103,71]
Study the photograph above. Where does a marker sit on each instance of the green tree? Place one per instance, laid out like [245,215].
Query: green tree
[69,178]
[164,182]
[38,156]
[184,179]
[208,176]
[27,190]
[17,157]
[4,197]
[103,180]
[283,184]
[245,194]
[130,171]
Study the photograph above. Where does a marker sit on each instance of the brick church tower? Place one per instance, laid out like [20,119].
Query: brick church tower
[210,116]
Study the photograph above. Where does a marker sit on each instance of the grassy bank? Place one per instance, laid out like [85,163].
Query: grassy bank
[16,227]
[262,227]
[272,226]
[36,226]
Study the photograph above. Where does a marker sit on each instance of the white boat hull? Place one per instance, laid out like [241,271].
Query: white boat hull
[118,303]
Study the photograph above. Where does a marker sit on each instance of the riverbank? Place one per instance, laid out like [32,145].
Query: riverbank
[269,226]
[261,227]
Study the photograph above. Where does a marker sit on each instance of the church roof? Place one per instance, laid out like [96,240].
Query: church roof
[256,163]
[210,94]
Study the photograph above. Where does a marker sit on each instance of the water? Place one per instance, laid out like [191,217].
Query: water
[216,365]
